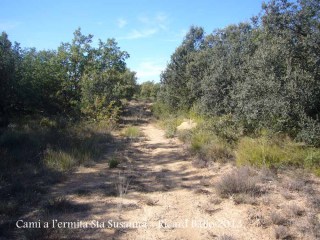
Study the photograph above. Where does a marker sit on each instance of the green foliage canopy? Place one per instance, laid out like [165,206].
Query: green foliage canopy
[264,72]
[77,80]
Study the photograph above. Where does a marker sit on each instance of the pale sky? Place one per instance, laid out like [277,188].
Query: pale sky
[149,30]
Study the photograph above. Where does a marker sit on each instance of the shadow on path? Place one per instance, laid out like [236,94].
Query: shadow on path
[97,193]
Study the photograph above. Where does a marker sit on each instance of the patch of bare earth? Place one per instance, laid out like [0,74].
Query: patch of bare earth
[157,193]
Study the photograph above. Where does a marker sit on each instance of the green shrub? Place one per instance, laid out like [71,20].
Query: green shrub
[160,110]
[310,132]
[226,128]
[207,144]
[113,162]
[265,152]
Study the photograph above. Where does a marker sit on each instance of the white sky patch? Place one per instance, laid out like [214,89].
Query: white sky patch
[156,19]
[121,22]
[162,20]
[136,34]
[149,70]
[149,26]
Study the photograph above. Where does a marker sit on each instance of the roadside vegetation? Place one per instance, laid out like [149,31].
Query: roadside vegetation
[252,88]
[58,109]
[248,95]
[147,90]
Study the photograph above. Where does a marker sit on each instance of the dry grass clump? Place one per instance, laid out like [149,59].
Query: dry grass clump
[240,181]
[132,132]
[244,199]
[282,232]
[294,210]
[278,219]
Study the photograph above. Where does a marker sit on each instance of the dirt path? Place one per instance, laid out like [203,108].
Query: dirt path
[156,190]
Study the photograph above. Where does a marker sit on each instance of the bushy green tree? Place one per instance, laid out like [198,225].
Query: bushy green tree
[8,58]
[264,72]
[149,89]
[78,80]
[175,78]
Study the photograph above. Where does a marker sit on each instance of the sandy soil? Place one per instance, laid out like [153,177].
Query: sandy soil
[158,192]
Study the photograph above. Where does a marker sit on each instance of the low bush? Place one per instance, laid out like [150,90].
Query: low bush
[170,130]
[47,122]
[294,210]
[278,219]
[160,110]
[239,181]
[223,139]
[310,131]
[204,142]
[266,152]
[113,162]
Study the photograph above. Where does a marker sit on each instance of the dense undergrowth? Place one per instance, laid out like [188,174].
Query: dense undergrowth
[224,139]
[252,88]
[36,154]
[57,108]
